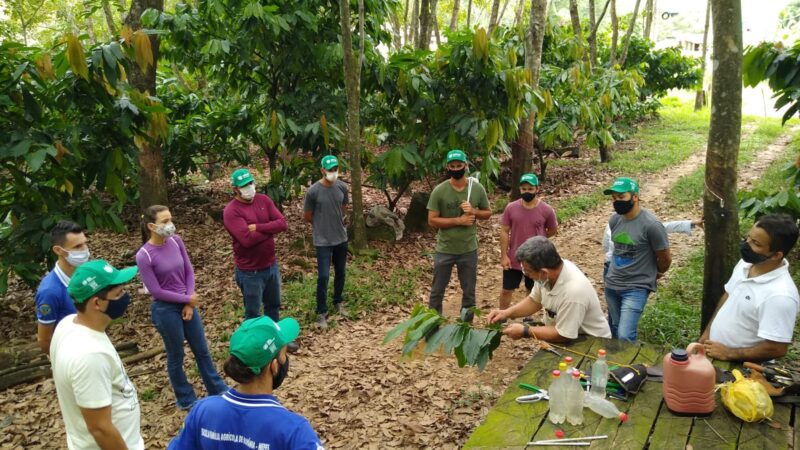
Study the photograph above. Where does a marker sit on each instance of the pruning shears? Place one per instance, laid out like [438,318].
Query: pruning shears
[540,394]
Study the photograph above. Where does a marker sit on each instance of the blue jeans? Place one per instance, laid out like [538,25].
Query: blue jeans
[624,310]
[338,254]
[174,330]
[260,287]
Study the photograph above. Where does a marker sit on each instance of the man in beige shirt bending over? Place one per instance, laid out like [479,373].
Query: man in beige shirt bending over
[567,296]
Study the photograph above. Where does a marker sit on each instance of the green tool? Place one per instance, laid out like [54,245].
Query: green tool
[531,387]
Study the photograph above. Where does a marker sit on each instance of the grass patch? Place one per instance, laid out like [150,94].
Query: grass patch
[688,190]
[568,208]
[367,288]
[673,317]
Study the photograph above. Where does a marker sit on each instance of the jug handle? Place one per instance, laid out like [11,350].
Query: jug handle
[696,348]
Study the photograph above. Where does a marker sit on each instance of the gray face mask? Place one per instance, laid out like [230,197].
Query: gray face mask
[77,257]
[166,230]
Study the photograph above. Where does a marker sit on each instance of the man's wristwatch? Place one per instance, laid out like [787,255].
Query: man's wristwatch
[526,333]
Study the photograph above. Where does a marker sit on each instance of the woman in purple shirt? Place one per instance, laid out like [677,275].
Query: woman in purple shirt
[168,275]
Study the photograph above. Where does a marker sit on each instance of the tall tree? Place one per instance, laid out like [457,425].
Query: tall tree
[112,25]
[612,56]
[413,37]
[152,182]
[576,24]
[518,13]
[469,13]
[503,11]
[397,39]
[406,35]
[87,14]
[630,33]
[435,22]
[352,84]
[595,24]
[454,16]
[700,97]
[522,148]
[724,134]
[493,17]
[425,22]
[649,11]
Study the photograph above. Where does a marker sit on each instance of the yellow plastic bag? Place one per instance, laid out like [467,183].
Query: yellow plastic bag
[747,399]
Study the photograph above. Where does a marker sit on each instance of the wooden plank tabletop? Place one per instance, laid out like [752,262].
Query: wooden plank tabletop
[510,425]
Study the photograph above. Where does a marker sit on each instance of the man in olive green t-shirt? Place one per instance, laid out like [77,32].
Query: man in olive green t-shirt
[452,209]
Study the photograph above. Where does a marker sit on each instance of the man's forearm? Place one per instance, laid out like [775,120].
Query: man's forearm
[108,438]
[483,214]
[760,352]
[549,334]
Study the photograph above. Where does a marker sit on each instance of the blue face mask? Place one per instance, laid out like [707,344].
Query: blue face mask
[116,308]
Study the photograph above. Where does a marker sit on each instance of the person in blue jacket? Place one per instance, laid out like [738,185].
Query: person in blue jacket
[249,416]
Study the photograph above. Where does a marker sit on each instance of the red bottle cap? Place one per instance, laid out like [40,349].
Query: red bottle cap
[601,352]
[559,434]
[568,359]
[556,373]
[623,417]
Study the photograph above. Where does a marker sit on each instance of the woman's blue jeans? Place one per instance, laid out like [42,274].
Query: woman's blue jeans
[174,330]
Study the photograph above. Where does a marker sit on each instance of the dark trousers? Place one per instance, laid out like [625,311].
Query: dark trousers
[260,287]
[467,268]
[325,255]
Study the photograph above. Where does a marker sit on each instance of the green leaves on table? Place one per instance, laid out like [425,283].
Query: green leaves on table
[471,346]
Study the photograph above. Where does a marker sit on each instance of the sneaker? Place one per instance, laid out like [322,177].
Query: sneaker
[322,321]
[342,311]
[293,347]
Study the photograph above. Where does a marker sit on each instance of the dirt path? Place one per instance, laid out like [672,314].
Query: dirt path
[358,393]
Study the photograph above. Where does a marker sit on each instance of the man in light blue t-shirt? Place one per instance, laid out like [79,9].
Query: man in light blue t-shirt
[249,415]
[641,255]
[53,303]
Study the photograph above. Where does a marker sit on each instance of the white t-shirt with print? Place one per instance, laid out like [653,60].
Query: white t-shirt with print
[759,308]
[572,305]
[88,373]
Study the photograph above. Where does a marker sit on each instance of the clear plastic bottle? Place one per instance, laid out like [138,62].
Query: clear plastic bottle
[604,407]
[557,401]
[569,362]
[600,375]
[575,399]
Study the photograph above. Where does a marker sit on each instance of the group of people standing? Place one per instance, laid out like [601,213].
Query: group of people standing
[79,298]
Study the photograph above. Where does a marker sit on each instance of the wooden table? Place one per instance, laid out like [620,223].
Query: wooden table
[650,426]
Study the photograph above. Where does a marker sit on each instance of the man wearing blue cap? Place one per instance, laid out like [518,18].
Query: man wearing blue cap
[452,209]
[641,255]
[97,399]
[249,415]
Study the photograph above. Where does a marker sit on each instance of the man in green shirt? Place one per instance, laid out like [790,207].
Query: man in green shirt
[452,209]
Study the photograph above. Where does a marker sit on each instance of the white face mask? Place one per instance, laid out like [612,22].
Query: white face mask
[248,192]
[77,257]
[331,176]
[166,230]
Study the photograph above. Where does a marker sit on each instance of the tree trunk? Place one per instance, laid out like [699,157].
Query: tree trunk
[649,10]
[435,22]
[352,84]
[503,11]
[605,153]
[493,17]
[424,35]
[629,34]
[700,98]
[112,26]
[397,40]
[89,24]
[576,25]
[592,37]
[152,180]
[454,16]
[724,134]
[522,148]
[469,13]
[612,56]
[122,9]
[406,35]
[414,36]
[518,13]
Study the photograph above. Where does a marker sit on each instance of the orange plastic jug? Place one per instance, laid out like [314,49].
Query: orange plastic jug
[689,381]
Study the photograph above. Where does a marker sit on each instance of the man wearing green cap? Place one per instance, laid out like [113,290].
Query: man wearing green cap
[253,220]
[452,209]
[325,207]
[522,219]
[641,255]
[249,415]
[97,399]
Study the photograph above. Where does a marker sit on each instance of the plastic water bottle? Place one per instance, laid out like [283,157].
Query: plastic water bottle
[575,399]
[600,375]
[568,361]
[604,407]
[557,401]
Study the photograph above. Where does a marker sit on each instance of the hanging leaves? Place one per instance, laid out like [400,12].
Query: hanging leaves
[471,346]
[142,50]
[45,66]
[480,45]
[126,34]
[76,56]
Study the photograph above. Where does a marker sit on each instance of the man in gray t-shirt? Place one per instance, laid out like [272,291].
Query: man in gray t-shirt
[324,207]
[641,255]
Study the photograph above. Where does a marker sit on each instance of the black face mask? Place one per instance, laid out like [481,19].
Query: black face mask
[749,256]
[116,308]
[623,207]
[283,370]
[457,174]
[528,196]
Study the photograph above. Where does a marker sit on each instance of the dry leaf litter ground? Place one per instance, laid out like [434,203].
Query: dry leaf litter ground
[356,392]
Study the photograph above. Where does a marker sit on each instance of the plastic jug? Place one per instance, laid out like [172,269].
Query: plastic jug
[689,381]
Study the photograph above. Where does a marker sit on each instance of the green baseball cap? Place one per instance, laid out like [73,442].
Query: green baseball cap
[456,155]
[529,178]
[622,185]
[329,162]
[94,276]
[241,177]
[257,341]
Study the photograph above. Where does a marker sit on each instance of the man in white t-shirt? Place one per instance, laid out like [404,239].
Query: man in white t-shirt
[567,296]
[754,320]
[97,399]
